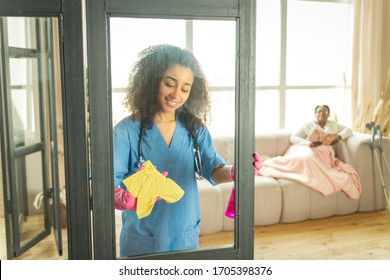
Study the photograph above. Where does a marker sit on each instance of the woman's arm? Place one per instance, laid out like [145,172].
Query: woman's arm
[344,132]
[299,137]
[222,174]
[340,132]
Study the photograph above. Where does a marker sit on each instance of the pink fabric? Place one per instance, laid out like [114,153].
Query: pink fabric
[123,200]
[317,168]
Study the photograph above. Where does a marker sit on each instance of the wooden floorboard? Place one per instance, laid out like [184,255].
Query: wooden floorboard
[359,236]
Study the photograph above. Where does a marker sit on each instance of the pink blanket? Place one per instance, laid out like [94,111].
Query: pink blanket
[317,168]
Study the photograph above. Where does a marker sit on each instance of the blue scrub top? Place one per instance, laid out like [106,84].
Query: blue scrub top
[173,226]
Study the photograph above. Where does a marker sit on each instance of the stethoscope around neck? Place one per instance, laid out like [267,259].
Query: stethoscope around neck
[141,159]
[197,156]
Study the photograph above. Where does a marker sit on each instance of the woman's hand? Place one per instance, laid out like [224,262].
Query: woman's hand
[330,139]
[315,144]
[334,139]
[123,200]
[256,164]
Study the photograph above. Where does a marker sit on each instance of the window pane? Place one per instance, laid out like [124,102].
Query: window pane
[222,113]
[29,183]
[22,25]
[118,110]
[211,56]
[267,111]
[126,43]
[268,43]
[25,100]
[297,114]
[215,46]
[318,42]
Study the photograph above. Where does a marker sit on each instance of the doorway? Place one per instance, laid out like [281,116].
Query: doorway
[29,147]
[93,236]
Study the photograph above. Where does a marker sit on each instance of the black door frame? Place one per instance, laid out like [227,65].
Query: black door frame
[75,117]
[98,14]
[70,19]
[9,152]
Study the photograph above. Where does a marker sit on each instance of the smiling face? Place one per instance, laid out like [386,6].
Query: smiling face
[174,88]
[322,115]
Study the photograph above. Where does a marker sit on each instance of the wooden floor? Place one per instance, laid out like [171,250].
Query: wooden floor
[360,236]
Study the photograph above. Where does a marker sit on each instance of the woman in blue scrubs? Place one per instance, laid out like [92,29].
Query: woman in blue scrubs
[169,103]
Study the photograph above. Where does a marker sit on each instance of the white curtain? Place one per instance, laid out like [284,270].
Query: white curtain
[371,64]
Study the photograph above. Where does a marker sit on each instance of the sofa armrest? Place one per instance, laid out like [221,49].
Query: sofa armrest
[353,149]
[356,151]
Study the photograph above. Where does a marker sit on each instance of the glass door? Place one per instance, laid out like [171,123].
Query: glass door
[28,133]
[230,60]
[189,35]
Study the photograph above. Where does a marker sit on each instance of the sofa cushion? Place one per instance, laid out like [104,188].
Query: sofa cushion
[296,201]
[225,147]
[211,207]
[267,199]
[322,206]
[345,205]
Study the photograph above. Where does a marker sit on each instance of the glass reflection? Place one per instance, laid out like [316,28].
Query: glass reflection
[26,113]
[30,57]
[168,96]
[28,180]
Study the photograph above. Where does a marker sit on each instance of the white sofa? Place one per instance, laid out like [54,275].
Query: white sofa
[285,201]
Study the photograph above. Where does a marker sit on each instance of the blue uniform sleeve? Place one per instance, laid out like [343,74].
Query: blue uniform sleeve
[210,158]
[121,152]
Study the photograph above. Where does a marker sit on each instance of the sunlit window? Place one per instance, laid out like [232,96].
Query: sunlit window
[268,39]
[300,105]
[317,43]
[127,38]
[303,58]
[213,43]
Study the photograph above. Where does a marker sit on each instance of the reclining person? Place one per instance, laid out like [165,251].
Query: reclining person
[311,158]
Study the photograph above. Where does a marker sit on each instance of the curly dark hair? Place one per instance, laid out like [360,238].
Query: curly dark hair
[145,77]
